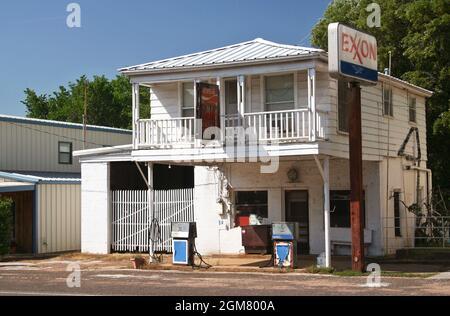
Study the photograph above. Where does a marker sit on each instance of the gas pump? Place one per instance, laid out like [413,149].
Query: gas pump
[284,237]
[183,242]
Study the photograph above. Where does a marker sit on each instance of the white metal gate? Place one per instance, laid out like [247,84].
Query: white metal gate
[131,217]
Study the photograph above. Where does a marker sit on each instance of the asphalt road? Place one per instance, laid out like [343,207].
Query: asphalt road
[28,281]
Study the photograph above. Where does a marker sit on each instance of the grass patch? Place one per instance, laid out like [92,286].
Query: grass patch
[350,273]
[407,274]
[316,270]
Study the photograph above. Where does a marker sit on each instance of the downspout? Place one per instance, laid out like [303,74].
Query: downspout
[386,221]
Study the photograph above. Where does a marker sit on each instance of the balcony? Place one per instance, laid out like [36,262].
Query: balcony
[299,125]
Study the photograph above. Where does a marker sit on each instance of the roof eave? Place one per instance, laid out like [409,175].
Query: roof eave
[102,151]
[221,65]
[19,177]
[419,90]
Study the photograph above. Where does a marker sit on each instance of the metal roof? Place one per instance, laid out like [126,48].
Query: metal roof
[50,178]
[246,52]
[27,120]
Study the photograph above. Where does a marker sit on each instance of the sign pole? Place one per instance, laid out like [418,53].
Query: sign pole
[356,179]
[353,57]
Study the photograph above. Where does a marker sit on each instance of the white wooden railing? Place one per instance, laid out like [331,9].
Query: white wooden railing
[281,126]
[166,131]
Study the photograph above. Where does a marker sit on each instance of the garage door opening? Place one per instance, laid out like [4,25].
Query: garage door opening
[126,176]
[22,230]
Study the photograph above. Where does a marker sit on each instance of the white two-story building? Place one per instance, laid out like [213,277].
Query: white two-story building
[278,150]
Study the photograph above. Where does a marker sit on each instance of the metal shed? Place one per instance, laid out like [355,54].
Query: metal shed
[47,211]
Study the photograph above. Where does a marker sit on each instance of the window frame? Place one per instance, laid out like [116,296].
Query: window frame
[347,192]
[338,125]
[70,162]
[264,90]
[391,104]
[414,109]
[397,214]
[181,99]
[236,205]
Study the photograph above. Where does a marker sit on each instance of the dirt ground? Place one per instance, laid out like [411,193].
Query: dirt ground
[231,263]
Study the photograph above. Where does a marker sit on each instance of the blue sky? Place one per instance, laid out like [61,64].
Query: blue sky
[39,51]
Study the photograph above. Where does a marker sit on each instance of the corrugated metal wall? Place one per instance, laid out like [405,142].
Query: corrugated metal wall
[59,222]
[34,147]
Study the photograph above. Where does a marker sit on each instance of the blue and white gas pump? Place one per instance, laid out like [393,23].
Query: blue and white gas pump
[183,243]
[284,237]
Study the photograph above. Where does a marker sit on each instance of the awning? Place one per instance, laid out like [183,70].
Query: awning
[41,178]
[8,187]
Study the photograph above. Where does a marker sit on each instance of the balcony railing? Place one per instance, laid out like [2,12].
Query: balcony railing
[277,126]
[166,132]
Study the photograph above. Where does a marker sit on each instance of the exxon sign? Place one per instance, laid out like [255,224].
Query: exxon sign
[352,55]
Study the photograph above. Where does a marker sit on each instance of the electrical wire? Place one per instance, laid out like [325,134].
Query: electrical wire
[200,257]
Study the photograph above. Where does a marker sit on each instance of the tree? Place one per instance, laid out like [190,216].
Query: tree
[108,102]
[5,225]
[417,33]
[37,105]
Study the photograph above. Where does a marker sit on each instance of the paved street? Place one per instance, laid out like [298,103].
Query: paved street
[20,280]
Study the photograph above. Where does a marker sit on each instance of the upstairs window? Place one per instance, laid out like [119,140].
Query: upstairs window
[412,109]
[388,107]
[187,106]
[65,153]
[343,106]
[279,93]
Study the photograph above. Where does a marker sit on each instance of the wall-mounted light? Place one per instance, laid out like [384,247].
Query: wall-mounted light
[292,175]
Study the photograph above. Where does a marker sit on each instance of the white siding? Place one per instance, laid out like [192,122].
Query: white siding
[248,177]
[164,100]
[403,181]
[375,126]
[34,147]
[96,209]
[59,217]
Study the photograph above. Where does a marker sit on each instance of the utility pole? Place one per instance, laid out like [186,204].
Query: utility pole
[356,178]
[85,117]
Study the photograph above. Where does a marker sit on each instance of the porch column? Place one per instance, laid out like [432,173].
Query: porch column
[312,103]
[135,114]
[241,96]
[221,86]
[150,194]
[197,122]
[326,206]
[325,173]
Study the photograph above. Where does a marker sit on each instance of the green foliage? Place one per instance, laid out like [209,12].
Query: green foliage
[5,225]
[417,33]
[108,102]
